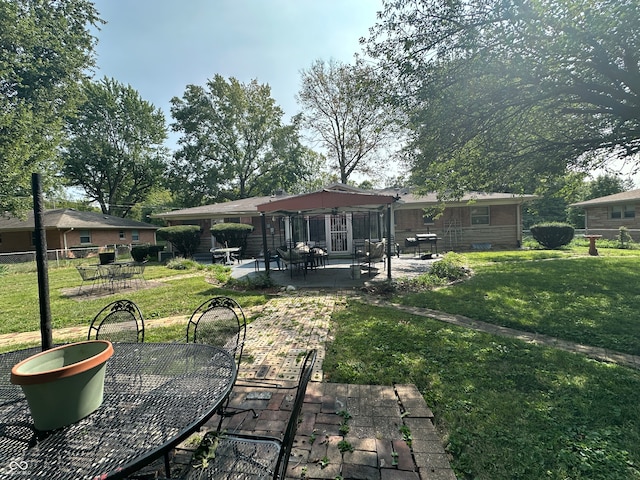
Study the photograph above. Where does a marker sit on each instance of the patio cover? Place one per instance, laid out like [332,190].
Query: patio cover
[329,202]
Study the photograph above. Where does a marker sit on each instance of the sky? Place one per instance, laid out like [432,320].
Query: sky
[161,46]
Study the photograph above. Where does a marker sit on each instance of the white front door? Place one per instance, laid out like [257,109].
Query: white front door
[339,238]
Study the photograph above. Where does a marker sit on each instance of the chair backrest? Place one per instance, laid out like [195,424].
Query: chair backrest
[88,273]
[120,321]
[284,254]
[221,322]
[292,425]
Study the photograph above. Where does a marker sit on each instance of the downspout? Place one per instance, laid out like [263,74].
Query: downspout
[519,225]
[389,241]
[586,223]
[64,240]
[265,250]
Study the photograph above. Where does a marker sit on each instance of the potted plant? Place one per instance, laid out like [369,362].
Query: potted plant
[107,256]
[64,384]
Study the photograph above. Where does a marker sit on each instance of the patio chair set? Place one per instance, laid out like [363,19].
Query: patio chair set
[368,253]
[303,257]
[112,275]
[220,322]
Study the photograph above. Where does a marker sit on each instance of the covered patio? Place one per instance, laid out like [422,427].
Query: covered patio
[339,209]
[336,274]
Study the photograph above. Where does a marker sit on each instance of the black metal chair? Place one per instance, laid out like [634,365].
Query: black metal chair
[224,455]
[90,274]
[220,322]
[120,321]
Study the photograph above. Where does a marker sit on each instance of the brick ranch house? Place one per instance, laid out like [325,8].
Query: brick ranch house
[477,219]
[605,215]
[67,228]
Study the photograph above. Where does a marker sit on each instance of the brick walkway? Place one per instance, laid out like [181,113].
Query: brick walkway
[390,427]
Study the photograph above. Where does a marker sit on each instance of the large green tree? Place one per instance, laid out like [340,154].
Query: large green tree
[233,144]
[45,51]
[505,92]
[116,152]
[343,108]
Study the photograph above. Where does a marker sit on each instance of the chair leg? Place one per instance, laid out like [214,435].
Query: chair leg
[225,413]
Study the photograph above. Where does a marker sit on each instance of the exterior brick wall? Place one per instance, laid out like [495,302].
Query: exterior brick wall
[22,241]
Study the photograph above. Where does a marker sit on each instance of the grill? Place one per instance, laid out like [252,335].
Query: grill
[430,239]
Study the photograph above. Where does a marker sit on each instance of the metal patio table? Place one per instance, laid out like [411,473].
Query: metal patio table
[155,396]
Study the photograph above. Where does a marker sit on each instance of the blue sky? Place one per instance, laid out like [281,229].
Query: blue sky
[160,46]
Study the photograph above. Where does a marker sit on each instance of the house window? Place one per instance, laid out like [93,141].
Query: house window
[121,235]
[135,236]
[85,236]
[623,211]
[479,215]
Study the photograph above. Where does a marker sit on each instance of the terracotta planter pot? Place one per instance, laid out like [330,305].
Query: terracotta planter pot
[63,384]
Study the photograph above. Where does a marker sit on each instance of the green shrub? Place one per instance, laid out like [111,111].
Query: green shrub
[140,253]
[552,234]
[184,238]
[179,263]
[232,234]
[451,267]
[145,251]
[623,237]
[261,281]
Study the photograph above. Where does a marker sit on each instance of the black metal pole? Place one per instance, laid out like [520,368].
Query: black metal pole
[389,241]
[263,223]
[40,238]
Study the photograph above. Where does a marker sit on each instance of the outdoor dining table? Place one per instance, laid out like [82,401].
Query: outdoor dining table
[115,273]
[227,253]
[155,396]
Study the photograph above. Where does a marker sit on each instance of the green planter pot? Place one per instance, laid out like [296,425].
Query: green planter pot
[63,384]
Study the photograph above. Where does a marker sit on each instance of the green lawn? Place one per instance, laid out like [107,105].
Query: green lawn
[182,291]
[590,300]
[505,409]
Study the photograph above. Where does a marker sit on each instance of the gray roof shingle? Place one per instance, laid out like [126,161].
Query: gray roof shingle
[66,218]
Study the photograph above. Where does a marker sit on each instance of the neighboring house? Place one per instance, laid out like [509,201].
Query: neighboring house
[605,215]
[67,228]
[477,219]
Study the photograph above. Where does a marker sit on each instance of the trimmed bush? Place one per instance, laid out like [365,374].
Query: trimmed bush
[145,251]
[552,234]
[232,234]
[184,238]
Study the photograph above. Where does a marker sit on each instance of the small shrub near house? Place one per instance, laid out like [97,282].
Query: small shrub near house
[552,234]
[232,234]
[184,238]
[145,251]
[624,238]
[450,268]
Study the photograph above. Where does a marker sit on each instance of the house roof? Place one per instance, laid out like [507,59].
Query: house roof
[335,196]
[68,218]
[409,200]
[327,200]
[236,208]
[616,198]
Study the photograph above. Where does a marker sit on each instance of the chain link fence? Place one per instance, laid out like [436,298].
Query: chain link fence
[61,255]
